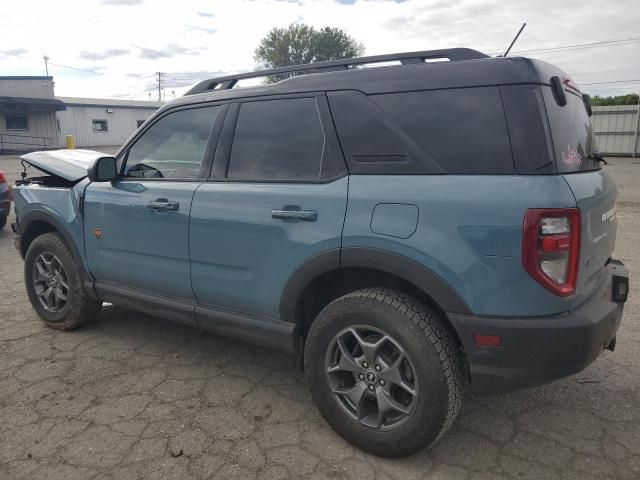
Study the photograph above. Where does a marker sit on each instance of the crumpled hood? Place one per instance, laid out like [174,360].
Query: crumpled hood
[69,164]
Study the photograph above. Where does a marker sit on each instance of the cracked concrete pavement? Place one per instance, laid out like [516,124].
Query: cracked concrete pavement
[131,396]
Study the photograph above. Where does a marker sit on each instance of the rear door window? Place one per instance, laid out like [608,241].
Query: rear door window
[571,133]
[280,140]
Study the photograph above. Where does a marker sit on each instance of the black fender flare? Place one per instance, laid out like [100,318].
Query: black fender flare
[439,290]
[42,216]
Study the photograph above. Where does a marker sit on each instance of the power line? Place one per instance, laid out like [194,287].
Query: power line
[79,69]
[14,54]
[579,46]
[606,71]
[613,81]
[56,64]
[582,45]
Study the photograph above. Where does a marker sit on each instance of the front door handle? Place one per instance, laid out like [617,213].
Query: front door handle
[287,213]
[163,204]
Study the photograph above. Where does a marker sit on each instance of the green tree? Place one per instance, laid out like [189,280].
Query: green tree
[628,99]
[301,44]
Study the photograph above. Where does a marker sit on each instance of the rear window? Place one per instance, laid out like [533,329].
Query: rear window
[571,133]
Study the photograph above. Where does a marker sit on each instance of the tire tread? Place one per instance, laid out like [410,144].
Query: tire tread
[434,331]
[84,308]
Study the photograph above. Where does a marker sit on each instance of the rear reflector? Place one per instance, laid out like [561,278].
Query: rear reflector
[555,243]
[620,288]
[551,247]
[485,340]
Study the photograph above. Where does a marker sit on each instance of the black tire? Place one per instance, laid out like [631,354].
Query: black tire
[79,308]
[3,222]
[421,335]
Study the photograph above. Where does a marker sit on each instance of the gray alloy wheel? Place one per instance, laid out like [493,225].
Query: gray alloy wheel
[371,377]
[55,286]
[50,282]
[384,371]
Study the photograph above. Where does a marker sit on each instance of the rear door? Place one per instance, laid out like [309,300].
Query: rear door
[278,198]
[136,227]
[593,187]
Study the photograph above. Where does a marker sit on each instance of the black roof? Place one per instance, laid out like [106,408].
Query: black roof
[25,103]
[466,69]
[24,77]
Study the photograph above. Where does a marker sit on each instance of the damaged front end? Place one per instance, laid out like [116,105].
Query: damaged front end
[62,168]
[51,199]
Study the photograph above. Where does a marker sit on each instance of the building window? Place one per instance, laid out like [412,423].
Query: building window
[139,123]
[100,126]
[17,121]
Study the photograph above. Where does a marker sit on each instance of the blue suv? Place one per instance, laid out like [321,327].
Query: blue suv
[410,231]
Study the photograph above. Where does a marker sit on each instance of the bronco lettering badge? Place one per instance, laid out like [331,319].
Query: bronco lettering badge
[609,215]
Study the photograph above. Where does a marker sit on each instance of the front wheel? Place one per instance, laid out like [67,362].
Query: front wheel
[384,371]
[54,284]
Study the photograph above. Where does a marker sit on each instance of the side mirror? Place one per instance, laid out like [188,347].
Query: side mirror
[103,169]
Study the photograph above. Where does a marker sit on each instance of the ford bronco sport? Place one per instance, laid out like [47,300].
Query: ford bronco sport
[409,231]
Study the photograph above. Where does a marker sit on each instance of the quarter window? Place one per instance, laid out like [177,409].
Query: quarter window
[464,129]
[16,122]
[278,140]
[173,147]
[100,126]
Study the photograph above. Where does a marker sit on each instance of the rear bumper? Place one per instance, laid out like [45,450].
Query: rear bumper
[537,350]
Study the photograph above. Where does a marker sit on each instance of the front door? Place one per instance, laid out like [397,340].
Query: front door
[279,200]
[136,228]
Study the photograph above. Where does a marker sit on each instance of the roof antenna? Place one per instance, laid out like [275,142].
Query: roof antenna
[514,40]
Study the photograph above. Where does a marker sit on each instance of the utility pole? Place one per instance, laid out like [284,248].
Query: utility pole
[46,64]
[160,75]
[634,150]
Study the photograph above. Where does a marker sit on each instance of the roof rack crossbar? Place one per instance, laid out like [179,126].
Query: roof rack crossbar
[229,81]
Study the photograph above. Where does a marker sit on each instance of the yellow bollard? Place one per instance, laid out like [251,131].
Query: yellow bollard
[71,143]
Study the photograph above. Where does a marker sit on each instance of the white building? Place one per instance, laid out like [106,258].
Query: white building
[96,122]
[32,118]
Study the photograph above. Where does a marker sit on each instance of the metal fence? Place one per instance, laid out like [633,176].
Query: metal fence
[16,143]
[616,129]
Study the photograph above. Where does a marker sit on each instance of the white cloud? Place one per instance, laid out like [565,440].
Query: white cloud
[197,37]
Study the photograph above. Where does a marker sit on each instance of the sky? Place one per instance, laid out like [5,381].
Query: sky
[116,46]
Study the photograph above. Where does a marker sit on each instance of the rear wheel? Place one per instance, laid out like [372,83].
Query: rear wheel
[3,222]
[384,371]
[54,284]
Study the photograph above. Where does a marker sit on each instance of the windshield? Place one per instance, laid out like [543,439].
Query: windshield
[571,132]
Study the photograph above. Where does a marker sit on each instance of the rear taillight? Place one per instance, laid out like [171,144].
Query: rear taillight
[2,177]
[551,247]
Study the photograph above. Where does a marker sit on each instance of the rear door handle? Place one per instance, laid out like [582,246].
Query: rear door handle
[296,214]
[164,205]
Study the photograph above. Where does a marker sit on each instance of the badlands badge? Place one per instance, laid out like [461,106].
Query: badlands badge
[609,215]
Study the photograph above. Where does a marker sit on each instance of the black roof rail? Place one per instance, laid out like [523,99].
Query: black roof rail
[229,81]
